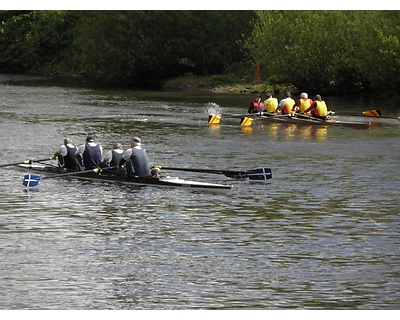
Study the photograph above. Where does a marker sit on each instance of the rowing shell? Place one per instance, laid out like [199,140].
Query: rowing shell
[112,177]
[306,120]
[247,120]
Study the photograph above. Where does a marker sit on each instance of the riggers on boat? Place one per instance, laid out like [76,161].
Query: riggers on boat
[109,176]
[307,120]
[301,119]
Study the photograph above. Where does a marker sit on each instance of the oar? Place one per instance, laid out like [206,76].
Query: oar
[214,119]
[230,115]
[248,121]
[32,180]
[253,174]
[306,117]
[25,162]
[368,113]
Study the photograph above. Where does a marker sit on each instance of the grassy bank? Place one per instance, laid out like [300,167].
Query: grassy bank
[224,84]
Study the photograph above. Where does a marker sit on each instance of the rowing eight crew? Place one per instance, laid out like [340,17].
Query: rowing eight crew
[133,161]
[287,105]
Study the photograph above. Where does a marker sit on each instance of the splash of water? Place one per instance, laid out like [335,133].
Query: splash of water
[213,109]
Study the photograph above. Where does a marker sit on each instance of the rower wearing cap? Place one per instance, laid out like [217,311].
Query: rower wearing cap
[303,103]
[136,159]
[155,173]
[90,154]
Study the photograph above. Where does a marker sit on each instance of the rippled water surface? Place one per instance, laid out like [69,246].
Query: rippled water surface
[322,234]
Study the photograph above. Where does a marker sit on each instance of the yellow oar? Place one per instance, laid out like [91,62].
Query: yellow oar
[246,122]
[372,113]
[214,119]
[368,113]
[377,114]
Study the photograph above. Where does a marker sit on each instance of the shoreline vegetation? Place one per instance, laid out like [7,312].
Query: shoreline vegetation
[241,51]
[221,84]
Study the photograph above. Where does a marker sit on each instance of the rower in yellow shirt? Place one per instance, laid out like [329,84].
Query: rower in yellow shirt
[318,108]
[271,103]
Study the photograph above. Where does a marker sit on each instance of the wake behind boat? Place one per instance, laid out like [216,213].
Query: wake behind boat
[32,180]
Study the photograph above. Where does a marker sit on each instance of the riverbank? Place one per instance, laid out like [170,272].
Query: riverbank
[224,84]
[220,84]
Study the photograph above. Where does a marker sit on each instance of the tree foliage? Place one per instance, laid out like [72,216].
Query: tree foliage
[125,48]
[329,50]
[336,51]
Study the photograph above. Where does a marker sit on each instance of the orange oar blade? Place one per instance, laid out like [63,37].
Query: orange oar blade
[372,113]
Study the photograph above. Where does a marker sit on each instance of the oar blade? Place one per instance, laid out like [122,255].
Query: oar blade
[31,180]
[259,174]
[214,119]
[372,113]
[246,122]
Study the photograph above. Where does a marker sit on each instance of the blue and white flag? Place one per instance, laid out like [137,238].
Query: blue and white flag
[31,180]
[259,174]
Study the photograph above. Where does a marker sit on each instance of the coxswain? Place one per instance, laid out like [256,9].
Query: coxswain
[257,105]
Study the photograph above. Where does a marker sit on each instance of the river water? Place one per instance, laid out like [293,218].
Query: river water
[323,233]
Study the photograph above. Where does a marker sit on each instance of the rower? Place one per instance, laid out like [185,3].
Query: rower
[90,155]
[318,108]
[136,159]
[113,157]
[65,155]
[286,104]
[303,103]
[271,103]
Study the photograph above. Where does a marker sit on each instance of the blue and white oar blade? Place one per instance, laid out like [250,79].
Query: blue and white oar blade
[31,180]
[259,174]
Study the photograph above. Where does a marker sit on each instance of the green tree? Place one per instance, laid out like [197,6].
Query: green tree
[327,50]
[138,48]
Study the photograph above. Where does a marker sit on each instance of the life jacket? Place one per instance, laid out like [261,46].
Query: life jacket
[271,105]
[69,159]
[320,110]
[255,107]
[304,104]
[140,162]
[287,108]
[91,156]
